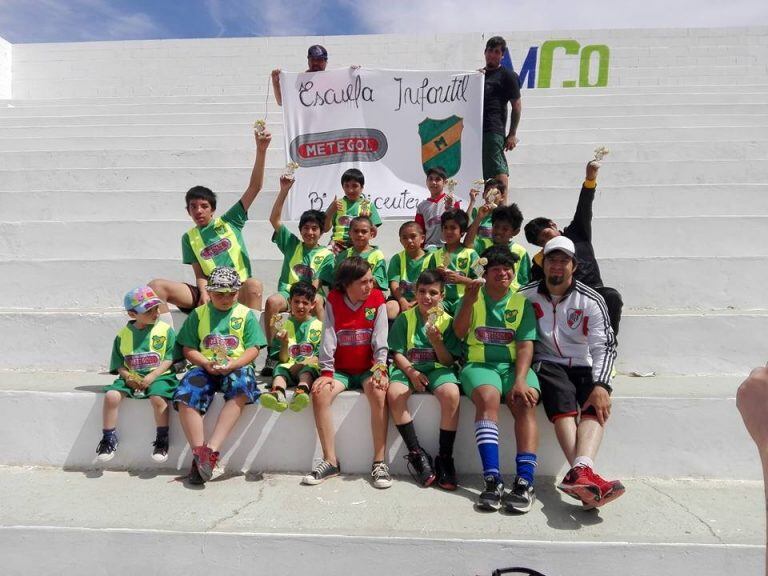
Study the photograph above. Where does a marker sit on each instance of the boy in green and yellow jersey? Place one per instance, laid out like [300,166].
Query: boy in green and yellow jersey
[506,224]
[297,338]
[142,356]
[424,348]
[304,260]
[361,231]
[454,261]
[214,242]
[497,189]
[498,326]
[341,212]
[404,269]
[221,339]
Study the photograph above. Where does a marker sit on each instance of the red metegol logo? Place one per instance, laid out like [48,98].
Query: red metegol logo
[144,360]
[216,248]
[488,335]
[421,355]
[300,350]
[360,337]
[338,146]
[231,342]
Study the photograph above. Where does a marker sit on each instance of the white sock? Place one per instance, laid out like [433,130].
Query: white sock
[583,461]
[167,318]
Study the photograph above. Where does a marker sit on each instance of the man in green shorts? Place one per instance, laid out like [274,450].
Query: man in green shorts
[499,328]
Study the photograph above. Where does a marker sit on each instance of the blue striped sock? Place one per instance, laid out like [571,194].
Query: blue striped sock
[487,439]
[526,465]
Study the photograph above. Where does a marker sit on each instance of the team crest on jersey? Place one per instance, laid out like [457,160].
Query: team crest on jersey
[158,342]
[462,262]
[370,313]
[220,227]
[510,316]
[574,316]
[317,260]
[314,335]
[235,323]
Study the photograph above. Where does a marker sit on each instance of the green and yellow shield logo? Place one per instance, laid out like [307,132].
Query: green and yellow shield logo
[235,323]
[441,143]
[158,342]
[314,335]
[510,316]
[370,313]
[462,262]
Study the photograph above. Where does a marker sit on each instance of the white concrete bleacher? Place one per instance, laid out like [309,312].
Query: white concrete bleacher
[99,142]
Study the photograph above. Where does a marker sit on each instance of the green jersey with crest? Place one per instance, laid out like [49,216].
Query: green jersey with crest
[408,336]
[350,210]
[299,262]
[143,350]
[523,266]
[238,326]
[303,340]
[405,271]
[461,261]
[373,256]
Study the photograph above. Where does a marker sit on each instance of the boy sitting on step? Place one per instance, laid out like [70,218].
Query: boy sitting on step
[404,268]
[142,356]
[298,342]
[221,339]
[361,231]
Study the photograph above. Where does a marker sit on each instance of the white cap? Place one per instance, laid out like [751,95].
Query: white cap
[560,243]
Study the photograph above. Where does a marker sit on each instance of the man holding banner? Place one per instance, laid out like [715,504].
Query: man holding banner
[502,86]
[317,60]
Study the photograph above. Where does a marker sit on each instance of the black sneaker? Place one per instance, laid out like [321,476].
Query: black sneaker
[269,367]
[194,475]
[107,448]
[521,498]
[321,472]
[160,452]
[420,467]
[445,472]
[490,498]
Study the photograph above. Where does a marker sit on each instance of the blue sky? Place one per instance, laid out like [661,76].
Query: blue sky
[24,21]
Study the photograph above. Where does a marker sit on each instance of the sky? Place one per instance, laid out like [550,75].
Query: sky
[24,21]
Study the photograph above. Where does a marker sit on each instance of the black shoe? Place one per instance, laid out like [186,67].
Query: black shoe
[521,498]
[194,475]
[160,452]
[321,472]
[420,467]
[445,472]
[107,447]
[490,498]
[269,367]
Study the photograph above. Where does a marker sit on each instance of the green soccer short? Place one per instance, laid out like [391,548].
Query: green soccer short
[500,376]
[164,386]
[284,371]
[437,377]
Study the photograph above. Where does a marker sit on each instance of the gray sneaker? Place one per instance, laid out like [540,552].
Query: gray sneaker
[521,498]
[380,474]
[321,472]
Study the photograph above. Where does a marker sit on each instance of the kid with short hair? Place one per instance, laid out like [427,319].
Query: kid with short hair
[221,339]
[404,269]
[454,261]
[361,230]
[304,260]
[353,203]
[298,341]
[353,354]
[428,211]
[142,356]
[485,226]
[215,242]
[424,349]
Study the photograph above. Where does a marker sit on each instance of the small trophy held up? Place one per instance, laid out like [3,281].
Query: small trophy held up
[365,207]
[433,315]
[259,127]
[479,268]
[492,197]
[446,260]
[377,373]
[450,197]
[278,323]
[220,353]
[600,153]
[478,183]
[136,378]
[289,170]
[311,361]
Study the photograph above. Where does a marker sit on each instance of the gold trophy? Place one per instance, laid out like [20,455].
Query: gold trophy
[365,207]
[259,127]
[433,315]
[492,197]
[446,261]
[479,268]
[277,322]
[220,352]
[450,197]
[478,183]
[377,373]
[600,153]
[136,378]
[289,170]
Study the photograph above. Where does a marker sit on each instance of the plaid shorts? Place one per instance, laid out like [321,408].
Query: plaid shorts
[198,388]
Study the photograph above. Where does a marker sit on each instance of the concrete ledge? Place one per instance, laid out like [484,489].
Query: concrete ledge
[266,441]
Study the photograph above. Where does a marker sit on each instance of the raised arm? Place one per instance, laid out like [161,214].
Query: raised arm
[469,237]
[463,319]
[257,174]
[329,214]
[276,86]
[581,225]
[276,217]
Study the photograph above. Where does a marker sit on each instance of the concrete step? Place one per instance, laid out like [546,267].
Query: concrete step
[647,199]
[71,408]
[241,157]
[641,238]
[693,527]
[693,284]
[664,341]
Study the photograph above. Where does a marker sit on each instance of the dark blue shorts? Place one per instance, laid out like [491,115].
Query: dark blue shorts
[198,388]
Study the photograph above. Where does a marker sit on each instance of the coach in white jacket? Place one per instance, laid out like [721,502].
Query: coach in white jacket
[573,359]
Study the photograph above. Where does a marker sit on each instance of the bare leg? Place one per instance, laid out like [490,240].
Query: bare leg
[565,430]
[227,419]
[393,309]
[192,424]
[322,398]
[160,409]
[377,399]
[588,438]
[251,293]
[275,304]
[112,400]
[487,400]
[397,399]
[172,292]
[526,427]
[448,396]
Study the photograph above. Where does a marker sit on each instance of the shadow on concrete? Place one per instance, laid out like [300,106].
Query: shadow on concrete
[563,512]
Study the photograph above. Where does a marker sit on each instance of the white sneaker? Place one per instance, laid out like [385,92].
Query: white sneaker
[380,475]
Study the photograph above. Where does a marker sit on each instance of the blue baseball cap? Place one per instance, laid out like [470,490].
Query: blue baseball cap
[141,299]
[317,51]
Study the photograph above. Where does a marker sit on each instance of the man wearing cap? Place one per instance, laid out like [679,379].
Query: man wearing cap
[573,359]
[502,87]
[317,60]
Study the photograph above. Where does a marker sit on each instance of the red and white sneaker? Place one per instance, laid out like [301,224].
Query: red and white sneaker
[609,490]
[580,484]
[206,460]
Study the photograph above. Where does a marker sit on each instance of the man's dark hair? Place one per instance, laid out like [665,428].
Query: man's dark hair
[358,219]
[510,214]
[200,193]
[349,270]
[534,228]
[496,42]
[303,289]
[430,277]
[312,217]
[408,224]
[458,216]
[437,171]
[353,174]
[500,256]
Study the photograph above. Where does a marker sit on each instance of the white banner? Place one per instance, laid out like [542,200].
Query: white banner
[390,124]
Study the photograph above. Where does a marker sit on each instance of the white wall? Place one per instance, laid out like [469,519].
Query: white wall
[6,59]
